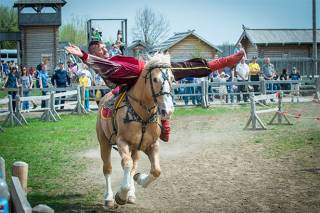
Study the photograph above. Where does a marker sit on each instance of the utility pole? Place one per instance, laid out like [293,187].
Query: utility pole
[314,30]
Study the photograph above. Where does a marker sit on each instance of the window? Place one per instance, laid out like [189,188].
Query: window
[3,55]
[12,55]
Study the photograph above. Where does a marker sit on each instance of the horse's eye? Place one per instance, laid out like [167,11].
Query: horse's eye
[155,80]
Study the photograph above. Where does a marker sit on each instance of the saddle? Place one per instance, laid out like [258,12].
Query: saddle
[112,105]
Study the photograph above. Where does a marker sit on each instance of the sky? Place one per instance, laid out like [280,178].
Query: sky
[217,21]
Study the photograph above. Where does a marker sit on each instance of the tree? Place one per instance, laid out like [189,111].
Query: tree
[8,23]
[151,28]
[74,32]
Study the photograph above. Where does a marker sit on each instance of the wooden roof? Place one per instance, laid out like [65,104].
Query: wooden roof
[31,3]
[177,37]
[278,36]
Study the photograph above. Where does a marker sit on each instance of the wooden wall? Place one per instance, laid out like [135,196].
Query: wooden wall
[191,47]
[37,43]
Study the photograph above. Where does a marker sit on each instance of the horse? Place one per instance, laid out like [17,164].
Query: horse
[135,126]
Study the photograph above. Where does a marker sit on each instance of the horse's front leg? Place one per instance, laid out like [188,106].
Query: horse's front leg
[153,153]
[131,193]
[126,162]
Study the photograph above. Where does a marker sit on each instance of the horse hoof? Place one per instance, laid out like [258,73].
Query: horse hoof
[136,176]
[131,200]
[109,204]
[119,200]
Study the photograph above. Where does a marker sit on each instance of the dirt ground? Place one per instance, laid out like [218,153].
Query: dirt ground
[210,165]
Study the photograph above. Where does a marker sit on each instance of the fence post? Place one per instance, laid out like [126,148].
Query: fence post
[204,94]
[253,111]
[2,169]
[263,86]
[20,170]
[52,103]
[280,107]
[79,109]
[18,111]
[11,118]
[316,97]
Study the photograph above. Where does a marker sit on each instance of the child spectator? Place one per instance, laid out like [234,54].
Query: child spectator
[295,76]
[223,88]
[84,83]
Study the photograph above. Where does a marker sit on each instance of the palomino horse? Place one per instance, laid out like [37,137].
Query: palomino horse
[135,126]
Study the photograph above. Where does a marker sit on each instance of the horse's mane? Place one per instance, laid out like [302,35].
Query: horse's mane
[158,59]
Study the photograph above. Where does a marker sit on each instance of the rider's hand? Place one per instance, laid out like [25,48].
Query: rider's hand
[74,50]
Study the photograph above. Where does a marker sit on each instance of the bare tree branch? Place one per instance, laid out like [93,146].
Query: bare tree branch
[150,27]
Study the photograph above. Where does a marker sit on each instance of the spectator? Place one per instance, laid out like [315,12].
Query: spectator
[254,69]
[223,88]
[98,81]
[242,71]
[5,70]
[84,83]
[189,90]
[295,76]
[229,72]
[60,79]
[43,83]
[12,83]
[26,83]
[268,72]
[114,50]
[119,41]
[283,77]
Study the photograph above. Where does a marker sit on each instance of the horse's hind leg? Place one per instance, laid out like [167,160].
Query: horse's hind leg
[143,179]
[131,193]
[105,151]
[124,150]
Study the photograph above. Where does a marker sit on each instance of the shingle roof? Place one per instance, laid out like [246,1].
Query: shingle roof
[136,43]
[26,2]
[279,36]
[177,37]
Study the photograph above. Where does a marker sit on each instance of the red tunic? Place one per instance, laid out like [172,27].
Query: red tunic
[126,70]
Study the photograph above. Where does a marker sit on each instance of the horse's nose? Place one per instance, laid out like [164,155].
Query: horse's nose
[166,113]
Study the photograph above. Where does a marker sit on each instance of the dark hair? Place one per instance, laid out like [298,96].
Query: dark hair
[92,45]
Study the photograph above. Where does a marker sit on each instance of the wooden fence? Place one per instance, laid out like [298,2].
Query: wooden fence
[18,191]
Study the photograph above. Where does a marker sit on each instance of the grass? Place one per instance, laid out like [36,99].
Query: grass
[52,150]
[303,134]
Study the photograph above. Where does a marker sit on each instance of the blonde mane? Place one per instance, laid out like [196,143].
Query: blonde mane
[158,59]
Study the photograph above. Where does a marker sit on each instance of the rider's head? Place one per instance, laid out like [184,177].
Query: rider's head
[98,48]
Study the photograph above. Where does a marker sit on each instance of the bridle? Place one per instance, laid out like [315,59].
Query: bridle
[165,76]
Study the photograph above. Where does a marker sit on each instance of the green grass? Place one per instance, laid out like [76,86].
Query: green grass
[196,111]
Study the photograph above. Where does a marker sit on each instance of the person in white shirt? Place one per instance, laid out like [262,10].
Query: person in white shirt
[242,72]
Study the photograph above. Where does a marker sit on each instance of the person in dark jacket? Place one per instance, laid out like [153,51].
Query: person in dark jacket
[60,79]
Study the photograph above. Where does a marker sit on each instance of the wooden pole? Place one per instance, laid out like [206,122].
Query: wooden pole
[314,38]
[2,169]
[20,170]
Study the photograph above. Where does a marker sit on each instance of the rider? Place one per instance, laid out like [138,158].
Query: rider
[123,70]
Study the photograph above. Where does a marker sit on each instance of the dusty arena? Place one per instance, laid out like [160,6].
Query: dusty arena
[212,165]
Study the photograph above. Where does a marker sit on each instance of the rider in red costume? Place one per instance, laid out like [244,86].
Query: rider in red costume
[123,70]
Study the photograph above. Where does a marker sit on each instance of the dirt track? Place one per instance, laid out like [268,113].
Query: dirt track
[209,166]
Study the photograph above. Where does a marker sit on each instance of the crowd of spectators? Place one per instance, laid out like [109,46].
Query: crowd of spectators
[242,72]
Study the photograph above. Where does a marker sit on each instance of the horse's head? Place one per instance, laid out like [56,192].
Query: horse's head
[159,78]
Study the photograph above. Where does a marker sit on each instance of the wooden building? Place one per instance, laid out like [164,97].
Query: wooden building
[39,22]
[186,45]
[285,47]
[137,49]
